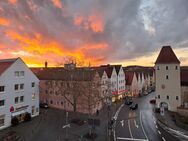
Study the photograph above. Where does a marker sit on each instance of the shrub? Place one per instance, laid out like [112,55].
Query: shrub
[27,117]
[14,121]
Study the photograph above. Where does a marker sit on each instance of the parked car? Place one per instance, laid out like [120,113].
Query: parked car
[44,105]
[134,106]
[152,101]
[128,102]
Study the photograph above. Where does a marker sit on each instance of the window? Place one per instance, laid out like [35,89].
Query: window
[51,102]
[61,102]
[158,96]
[166,67]
[16,87]
[177,98]
[167,97]
[16,73]
[2,120]
[176,67]
[21,73]
[166,76]
[2,102]
[21,86]
[46,91]
[33,84]
[2,88]
[21,98]
[33,110]
[33,96]
[16,100]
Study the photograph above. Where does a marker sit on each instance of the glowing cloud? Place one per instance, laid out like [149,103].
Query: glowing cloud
[57,3]
[13,1]
[4,22]
[96,23]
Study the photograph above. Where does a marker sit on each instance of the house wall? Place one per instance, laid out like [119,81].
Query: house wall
[8,79]
[121,83]
[168,87]
[57,95]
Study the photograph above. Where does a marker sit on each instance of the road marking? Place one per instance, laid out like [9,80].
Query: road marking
[65,126]
[122,123]
[163,139]
[142,125]
[130,129]
[159,132]
[131,139]
[115,117]
[136,125]
[156,126]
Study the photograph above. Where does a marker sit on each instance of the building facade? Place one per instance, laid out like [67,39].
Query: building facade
[167,70]
[19,91]
[77,90]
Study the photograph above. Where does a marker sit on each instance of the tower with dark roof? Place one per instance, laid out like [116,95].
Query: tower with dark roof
[168,91]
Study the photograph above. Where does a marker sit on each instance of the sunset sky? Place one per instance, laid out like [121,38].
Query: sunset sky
[128,32]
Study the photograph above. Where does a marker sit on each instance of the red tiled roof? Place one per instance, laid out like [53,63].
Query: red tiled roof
[184,77]
[167,56]
[78,74]
[5,64]
[129,77]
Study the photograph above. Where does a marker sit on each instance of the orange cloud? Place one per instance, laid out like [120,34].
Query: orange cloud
[4,22]
[96,23]
[78,20]
[37,47]
[95,46]
[57,3]
[13,1]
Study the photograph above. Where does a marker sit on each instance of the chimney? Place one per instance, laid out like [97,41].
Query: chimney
[46,64]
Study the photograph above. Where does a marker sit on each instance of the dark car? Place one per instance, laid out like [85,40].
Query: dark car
[134,106]
[128,102]
[44,105]
[152,101]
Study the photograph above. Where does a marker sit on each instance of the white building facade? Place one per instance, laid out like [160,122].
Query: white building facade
[167,70]
[19,91]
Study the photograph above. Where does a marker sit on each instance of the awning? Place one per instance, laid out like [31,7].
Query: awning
[18,113]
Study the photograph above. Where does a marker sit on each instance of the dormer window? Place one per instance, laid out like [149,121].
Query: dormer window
[166,67]
[176,67]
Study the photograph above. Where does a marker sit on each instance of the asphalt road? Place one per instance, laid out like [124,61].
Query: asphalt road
[140,124]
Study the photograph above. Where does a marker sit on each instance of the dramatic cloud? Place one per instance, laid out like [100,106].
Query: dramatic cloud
[95,31]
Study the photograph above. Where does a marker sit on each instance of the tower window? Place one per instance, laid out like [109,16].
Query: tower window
[177,98]
[166,76]
[158,96]
[167,97]
[176,68]
[166,67]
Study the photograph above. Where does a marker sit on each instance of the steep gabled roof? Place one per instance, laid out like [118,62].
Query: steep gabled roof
[167,56]
[129,77]
[117,68]
[184,77]
[5,64]
[100,70]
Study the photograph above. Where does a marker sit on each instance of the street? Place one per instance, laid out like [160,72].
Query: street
[140,124]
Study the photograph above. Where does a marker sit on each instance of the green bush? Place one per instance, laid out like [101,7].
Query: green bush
[14,121]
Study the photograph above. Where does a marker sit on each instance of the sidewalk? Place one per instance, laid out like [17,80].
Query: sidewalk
[32,130]
[169,120]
